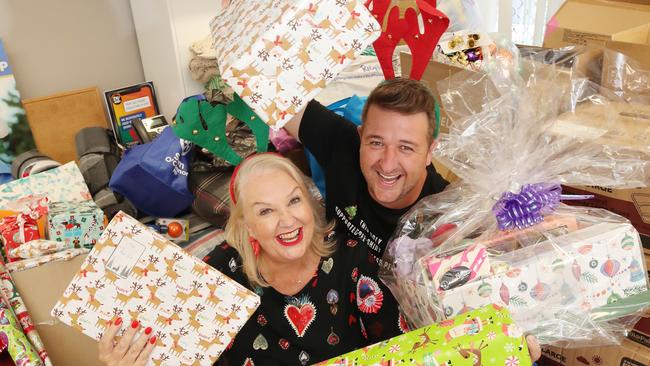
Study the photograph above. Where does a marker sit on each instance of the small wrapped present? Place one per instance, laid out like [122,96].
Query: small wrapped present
[278,55]
[64,183]
[77,224]
[37,248]
[583,270]
[16,231]
[502,234]
[63,255]
[33,205]
[486,336]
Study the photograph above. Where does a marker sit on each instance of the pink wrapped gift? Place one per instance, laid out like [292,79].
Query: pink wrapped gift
[454,270]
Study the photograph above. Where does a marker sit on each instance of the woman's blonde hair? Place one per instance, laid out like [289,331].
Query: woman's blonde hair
[236,231]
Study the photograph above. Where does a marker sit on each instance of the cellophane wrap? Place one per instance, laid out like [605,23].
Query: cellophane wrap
[576,278]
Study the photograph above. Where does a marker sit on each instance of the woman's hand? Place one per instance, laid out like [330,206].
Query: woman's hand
[120,353]
[534,349]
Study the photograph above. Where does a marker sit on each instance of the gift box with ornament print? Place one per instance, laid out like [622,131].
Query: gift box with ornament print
[568,275]
[485,336]
[277,56]
[77,224]
[135,273]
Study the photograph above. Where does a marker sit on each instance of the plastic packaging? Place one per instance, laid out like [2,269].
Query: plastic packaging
[517,131]
[463,14]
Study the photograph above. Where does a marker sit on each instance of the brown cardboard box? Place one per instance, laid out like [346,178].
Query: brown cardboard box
[599,22]
[630,128]
[434,73]
[40,288]
[628,353]
[622,26]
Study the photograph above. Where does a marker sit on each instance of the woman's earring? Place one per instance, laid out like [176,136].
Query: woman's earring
[255,245]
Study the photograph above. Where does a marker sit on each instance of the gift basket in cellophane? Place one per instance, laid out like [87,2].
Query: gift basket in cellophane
[518,131]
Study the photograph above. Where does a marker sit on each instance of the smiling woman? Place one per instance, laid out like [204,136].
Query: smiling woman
[275,211]
[320,295]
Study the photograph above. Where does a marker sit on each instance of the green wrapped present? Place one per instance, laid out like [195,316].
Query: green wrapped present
[485,336]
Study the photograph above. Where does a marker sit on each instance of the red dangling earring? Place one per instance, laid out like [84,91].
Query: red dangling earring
[255,245]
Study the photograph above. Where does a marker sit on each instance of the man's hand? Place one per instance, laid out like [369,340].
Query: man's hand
[123,353]
[534,349]
[293,126]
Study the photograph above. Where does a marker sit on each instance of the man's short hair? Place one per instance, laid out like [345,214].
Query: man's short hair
[405,96]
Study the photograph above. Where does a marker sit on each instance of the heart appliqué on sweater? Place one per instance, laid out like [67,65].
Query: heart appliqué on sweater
[300,315]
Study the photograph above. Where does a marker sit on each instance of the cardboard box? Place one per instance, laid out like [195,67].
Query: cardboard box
[633,204]
[641,332]
[628,128]
[596,22]
[40,288]
[434,72]
[622,26]
[628,353]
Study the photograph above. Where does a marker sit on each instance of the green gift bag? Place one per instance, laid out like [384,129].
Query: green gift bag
[485,336]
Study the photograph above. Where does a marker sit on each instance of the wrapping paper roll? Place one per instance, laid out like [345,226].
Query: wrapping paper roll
[11,297]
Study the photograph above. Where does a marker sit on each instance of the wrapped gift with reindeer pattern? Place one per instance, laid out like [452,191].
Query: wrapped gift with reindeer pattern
[135,273]
[278,55]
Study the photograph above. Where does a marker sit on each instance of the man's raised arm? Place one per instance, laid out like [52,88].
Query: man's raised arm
[293,126]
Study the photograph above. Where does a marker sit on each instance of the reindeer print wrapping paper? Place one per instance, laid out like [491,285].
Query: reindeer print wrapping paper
[486,336]
[574,273]
[135,273]
[61,184]
[279,55]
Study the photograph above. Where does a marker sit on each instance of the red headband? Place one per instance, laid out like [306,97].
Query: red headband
[233,177]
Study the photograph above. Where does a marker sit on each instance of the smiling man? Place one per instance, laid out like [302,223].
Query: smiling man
[376,172]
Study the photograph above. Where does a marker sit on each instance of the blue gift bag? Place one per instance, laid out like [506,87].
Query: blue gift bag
[154,176]
[351,109]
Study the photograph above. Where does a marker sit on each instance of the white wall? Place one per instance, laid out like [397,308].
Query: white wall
[56,46]
[165,30]
[498,15]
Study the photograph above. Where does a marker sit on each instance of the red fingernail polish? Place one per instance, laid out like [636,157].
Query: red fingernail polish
[147,330]
[152,340]
[134,324]
[118,321]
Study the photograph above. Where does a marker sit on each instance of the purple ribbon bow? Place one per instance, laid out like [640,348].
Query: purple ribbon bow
[528,207]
